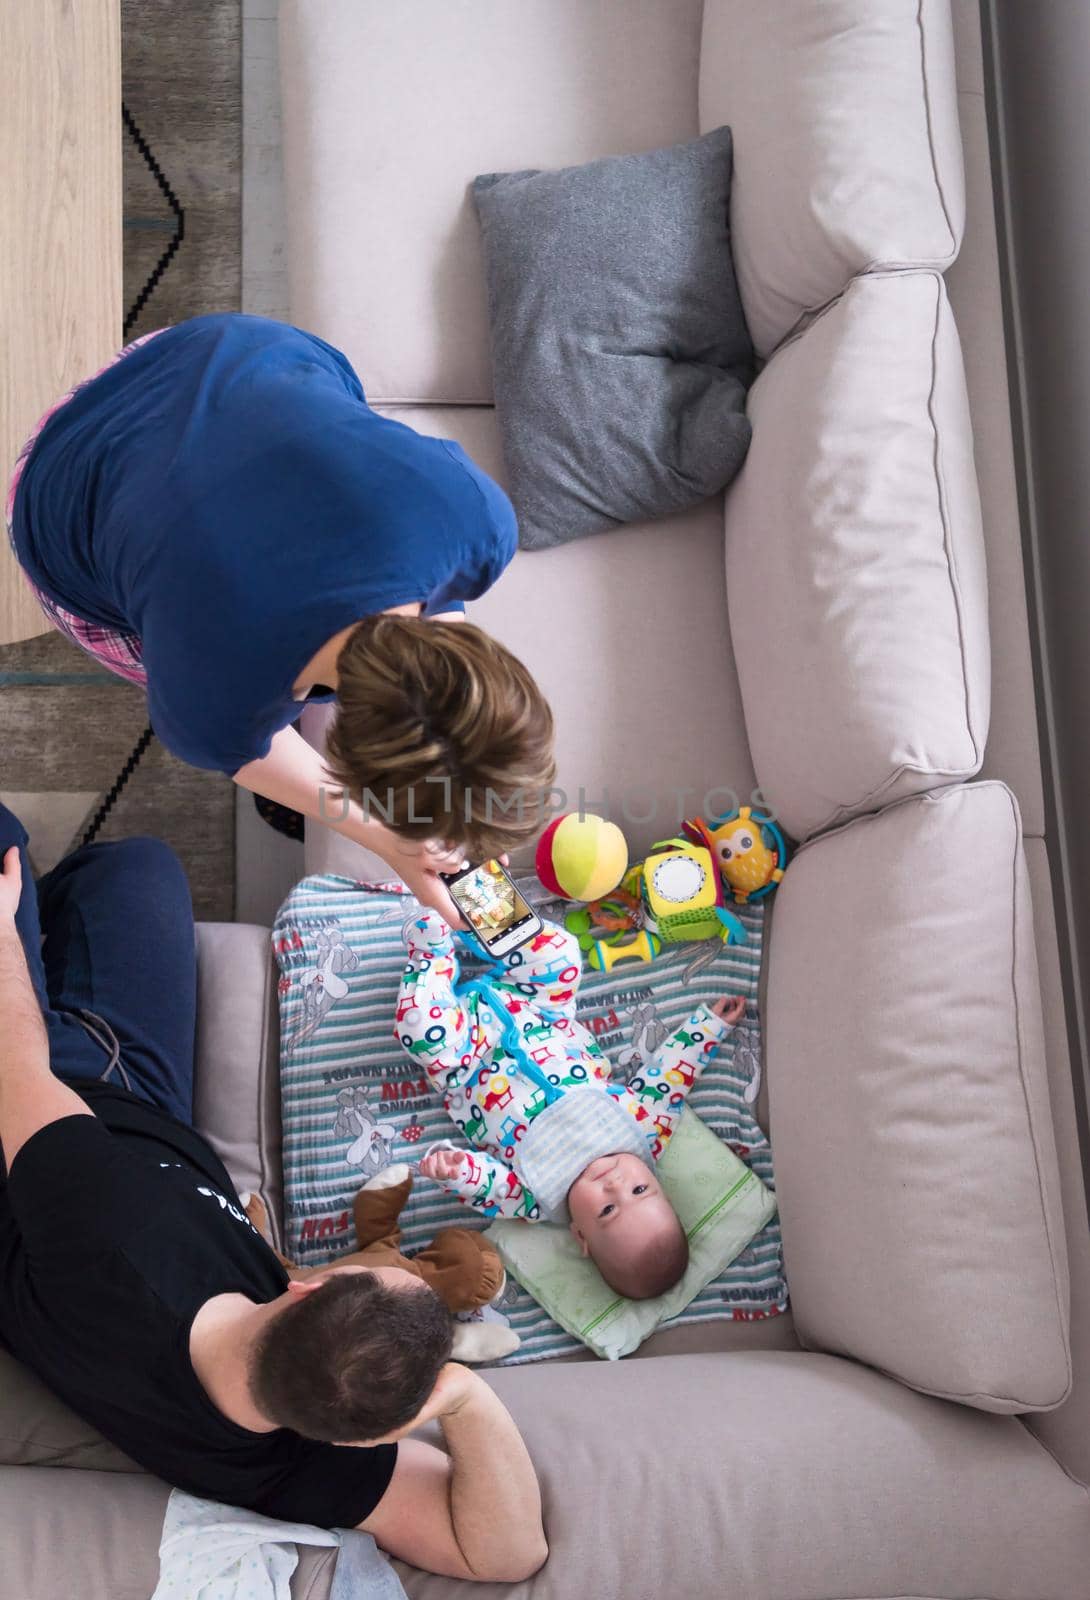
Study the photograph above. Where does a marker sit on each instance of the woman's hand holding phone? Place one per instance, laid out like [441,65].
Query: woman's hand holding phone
[419,863]
[499,915]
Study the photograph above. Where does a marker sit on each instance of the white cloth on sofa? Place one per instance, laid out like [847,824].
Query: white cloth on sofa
[216,1552]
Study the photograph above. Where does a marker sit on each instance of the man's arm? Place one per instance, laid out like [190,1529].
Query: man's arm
[30,1096]
[475,1513]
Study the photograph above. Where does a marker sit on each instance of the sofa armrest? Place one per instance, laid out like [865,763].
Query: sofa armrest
[236,1103]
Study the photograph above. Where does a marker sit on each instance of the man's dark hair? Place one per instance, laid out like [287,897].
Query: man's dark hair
[352,1360]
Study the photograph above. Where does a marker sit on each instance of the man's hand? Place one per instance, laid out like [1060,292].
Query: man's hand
[11,884]
[730,1009]
[473,1511]
[442,1165]
[453,1389]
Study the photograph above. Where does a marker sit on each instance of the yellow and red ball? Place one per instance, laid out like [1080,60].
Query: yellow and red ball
[581,856]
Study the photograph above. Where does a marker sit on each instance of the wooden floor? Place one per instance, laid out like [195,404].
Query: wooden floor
[60,225]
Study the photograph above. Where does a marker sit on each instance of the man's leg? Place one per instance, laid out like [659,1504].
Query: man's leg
[32,1036]
[12,832]
[72,1054]
[120,944]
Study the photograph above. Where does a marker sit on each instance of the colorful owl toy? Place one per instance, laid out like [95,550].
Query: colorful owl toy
[749,848]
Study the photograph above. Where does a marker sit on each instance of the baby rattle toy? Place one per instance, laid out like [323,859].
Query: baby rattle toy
[605,954]
[749,848]
[610,931]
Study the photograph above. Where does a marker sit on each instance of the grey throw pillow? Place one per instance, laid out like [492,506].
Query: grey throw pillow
[619,349]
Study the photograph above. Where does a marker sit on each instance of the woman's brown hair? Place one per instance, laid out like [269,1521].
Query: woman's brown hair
[442,733]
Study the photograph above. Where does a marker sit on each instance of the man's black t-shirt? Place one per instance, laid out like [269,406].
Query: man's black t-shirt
[114,1231]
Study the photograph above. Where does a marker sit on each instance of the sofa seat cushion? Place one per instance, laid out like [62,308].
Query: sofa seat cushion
[847,153]
[390,111]
[769,1476]
[915,1157]
[855,560]
[627,635]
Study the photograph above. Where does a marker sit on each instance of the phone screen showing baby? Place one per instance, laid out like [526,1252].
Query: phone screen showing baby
[493,906]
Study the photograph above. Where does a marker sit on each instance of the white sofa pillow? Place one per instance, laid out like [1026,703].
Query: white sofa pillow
[916,1166]
[855,560]
[847,154]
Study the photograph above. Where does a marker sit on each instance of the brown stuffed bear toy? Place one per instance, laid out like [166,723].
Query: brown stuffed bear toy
[460,1265]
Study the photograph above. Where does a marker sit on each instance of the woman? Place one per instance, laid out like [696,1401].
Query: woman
[221,517]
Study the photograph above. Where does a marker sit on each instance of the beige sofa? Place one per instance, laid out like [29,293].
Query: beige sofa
[921,1424]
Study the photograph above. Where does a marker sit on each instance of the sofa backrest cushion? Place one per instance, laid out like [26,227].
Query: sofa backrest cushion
[798,1475]
[915,1159]
[847,149]
[855,560]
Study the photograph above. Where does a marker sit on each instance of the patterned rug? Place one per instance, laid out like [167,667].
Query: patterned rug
[66,728]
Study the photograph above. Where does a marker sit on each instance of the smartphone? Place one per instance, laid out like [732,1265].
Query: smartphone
[493,907]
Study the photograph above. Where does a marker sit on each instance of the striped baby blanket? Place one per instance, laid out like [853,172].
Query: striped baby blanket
[352,1103]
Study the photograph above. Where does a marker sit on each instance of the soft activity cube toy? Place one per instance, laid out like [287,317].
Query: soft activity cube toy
[684,895]
[581,856]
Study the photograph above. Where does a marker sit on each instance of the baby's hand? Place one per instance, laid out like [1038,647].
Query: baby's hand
[730,1009]
[442,1165]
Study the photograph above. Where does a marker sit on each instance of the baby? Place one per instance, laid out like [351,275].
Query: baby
[530,1088]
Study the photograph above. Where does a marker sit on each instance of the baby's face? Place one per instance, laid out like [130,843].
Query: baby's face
[616,1204]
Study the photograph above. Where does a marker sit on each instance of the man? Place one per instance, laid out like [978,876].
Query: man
[133,1284]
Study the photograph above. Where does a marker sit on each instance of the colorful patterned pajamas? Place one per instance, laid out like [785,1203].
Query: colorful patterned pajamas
[457,1040]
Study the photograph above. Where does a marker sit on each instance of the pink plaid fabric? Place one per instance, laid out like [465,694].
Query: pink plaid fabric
[120,653]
